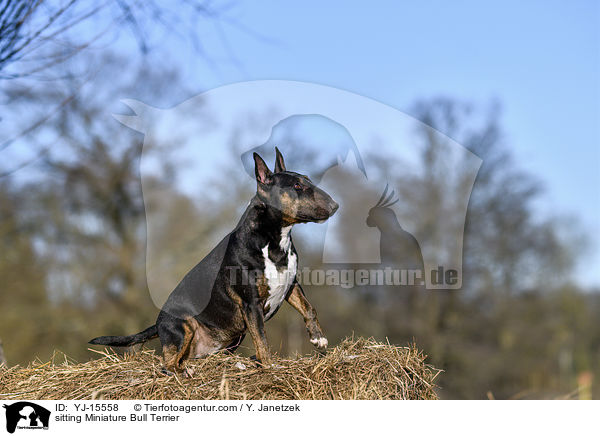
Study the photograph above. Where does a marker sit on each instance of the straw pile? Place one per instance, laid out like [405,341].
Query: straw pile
[355,369]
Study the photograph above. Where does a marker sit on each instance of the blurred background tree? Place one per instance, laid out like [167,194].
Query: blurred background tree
[36,36]
[519,325]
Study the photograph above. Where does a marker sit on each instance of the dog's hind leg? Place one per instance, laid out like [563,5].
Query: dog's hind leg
[176,339]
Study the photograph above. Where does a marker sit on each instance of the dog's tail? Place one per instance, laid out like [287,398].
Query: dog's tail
[126,341]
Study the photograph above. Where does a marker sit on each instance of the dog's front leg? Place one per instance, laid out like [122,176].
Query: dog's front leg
[255,323]
[299,302]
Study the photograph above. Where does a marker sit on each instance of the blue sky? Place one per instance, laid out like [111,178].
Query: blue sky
[539,59]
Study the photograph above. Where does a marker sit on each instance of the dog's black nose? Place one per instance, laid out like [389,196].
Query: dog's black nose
[334,207]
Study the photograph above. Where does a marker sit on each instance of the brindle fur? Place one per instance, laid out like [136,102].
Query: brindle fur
[209,310]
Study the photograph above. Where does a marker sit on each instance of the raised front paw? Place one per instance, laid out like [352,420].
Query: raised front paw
[320,342]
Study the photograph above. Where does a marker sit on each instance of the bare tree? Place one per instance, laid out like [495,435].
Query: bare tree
[38,34]
[49,40]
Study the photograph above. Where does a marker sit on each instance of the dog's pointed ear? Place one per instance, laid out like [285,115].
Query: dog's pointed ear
[279,163]
[262,171]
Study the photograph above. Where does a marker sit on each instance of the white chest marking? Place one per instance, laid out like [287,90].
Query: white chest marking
[279,281]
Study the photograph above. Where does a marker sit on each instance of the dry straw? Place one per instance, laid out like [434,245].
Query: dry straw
[355,369]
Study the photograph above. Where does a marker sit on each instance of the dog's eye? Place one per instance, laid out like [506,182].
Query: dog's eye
[298,187]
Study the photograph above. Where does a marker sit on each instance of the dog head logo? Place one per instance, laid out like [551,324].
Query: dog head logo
[26,415]
[349,145]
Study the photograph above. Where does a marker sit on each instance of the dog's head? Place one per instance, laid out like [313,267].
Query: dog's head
[292,194]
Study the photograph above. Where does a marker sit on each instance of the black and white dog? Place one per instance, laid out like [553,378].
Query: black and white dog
[243,281]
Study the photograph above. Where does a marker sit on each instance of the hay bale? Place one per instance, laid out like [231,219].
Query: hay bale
[355,369]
